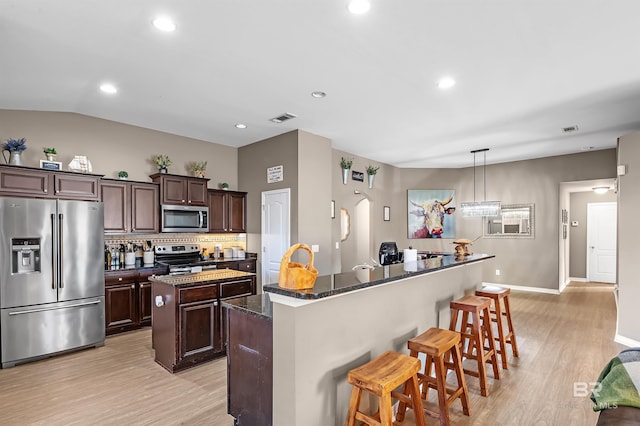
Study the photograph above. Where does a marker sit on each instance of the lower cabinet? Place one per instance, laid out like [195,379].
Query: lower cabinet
[187,324]
[128,299]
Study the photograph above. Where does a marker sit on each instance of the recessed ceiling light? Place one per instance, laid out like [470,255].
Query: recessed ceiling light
[601,189]
[358,7]
[108,88]
[241,126]
[318,94]
[164,23]
[446,83]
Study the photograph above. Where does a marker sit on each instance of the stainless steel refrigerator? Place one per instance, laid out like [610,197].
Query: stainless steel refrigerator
[51,277]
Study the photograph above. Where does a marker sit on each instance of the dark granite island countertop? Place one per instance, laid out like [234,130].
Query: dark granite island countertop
[258,305]
[330,285]
[197,278]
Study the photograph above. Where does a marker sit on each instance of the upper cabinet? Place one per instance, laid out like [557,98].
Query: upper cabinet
[130,206]
[227,211]
[181,190]
[33,182]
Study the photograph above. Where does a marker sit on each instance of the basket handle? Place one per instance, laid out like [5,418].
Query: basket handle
[286,258]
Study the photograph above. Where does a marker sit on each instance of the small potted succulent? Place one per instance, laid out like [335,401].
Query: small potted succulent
[15,148]
[224,185]
[345,165]
[371,173]
[123,174]
[199,168]
[50,153]
[162,161]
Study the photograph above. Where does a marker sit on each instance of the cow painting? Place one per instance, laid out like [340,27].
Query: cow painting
[429,210]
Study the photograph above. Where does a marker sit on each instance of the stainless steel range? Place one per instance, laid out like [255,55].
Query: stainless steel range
[183,258]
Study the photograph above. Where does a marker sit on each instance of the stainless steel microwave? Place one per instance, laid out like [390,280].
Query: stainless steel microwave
[185,218]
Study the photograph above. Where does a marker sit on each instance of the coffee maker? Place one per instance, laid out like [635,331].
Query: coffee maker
[388,253]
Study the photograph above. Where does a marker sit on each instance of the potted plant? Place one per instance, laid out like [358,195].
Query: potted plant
[123,174]
[198,168]
[224,185]
[162,161]
[345,165]
[15,148]
[371,173]
[50,153]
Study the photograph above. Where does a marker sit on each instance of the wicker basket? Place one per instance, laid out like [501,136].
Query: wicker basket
[296,276]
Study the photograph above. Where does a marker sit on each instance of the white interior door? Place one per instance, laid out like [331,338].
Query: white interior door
[601,242]
[276,233]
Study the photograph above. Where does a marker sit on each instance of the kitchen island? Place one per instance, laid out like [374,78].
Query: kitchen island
[187,326]
[348,319]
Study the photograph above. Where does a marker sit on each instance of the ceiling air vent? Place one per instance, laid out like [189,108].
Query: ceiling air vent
[284,117]
[570,129]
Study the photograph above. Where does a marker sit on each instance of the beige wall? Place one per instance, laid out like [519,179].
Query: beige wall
[578,234]
[112,146]
[628,208]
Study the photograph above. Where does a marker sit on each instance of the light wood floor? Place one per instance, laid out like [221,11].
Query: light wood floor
[562,339]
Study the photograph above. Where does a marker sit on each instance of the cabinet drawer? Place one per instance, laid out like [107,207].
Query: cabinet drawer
[120,277]
[236,289]
[196,294]
[247,266]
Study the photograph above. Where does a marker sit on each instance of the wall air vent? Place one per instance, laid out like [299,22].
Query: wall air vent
[284,117]
[570,129]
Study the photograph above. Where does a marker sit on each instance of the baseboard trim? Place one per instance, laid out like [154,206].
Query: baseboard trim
[579,280]
[523,288]
[626,341]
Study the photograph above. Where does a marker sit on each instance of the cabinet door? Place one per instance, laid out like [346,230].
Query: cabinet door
[120,308]
[217,211]
[199,329]
[237,206]
[144,303]
[174,190]
[197,192]
[116,206]
[76,187]
[20,182]
[145,208]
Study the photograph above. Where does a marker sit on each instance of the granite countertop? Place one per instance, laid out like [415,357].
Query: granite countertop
[200,277]
[139,266]
[258,305]
[330,285]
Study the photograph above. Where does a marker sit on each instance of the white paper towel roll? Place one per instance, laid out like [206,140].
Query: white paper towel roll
[410,255]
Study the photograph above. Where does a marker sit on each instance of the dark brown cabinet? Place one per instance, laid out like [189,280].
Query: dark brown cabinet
[130,207]
[128,299]
[181,190]
[227,211]
[33,182]
[188,327]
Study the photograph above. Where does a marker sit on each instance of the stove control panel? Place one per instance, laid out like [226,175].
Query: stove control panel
[177,249]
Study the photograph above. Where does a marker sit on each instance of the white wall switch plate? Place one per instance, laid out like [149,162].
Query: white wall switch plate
[315,248]
[337,245]
[497,271]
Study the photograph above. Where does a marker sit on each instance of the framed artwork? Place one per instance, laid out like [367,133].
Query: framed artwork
[386,213]
[50,165]
[431,213]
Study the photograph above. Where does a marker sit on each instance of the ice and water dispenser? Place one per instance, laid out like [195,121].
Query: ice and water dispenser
[25,255]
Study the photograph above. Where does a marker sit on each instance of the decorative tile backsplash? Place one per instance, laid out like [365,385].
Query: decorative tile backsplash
[208,241]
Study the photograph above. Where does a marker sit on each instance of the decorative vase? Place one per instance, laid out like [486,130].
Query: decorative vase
[371,177]
[163,169]
[51,157]
[15,158]
[345,176]
[199,173]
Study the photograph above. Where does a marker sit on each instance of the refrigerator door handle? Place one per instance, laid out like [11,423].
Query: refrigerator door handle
[61,244]
[32,311]
[53,252]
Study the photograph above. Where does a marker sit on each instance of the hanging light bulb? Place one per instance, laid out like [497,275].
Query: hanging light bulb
[480,208]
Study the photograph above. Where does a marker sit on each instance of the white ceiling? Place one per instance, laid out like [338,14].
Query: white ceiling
[524,70]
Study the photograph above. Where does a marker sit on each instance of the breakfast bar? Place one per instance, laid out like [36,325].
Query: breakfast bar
[348,319]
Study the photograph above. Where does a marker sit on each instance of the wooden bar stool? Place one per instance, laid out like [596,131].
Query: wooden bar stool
[381,377]
[438,344]
[500,297]
[476,326]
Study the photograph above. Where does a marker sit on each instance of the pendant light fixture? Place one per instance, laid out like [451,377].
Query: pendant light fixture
[480,208]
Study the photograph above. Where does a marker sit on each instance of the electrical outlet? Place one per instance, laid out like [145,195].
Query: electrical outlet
[497,271]
[315,248]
